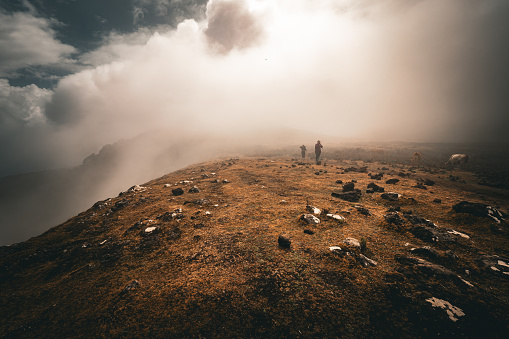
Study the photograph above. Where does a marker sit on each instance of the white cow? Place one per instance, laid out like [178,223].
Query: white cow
[457,160]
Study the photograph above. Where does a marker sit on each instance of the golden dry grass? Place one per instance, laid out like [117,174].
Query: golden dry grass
[223,274]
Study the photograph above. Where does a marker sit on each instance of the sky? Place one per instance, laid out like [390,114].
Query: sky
[78,74]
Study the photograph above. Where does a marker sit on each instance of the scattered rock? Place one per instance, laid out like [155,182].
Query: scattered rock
[495,264]
[309,232]
[335,249]
[431,234]
[392,181]
[375,187]
[225,181]
[131,286]
[376,176]
[463,235]
[429,182]
[437,201]
[177,191]
[479,209]
[390,196]
[426,251]
[355,169]
[284,241]
[403,174]
[352,242]
[137,188]
[152,230]
[336,217]
[194,189]
[313,209]
[348,187]
[428,268]
[199,202]
[339,181]
[310,219]
[354,196]
[416,220]
[393,218]
[452,311]
[365,261]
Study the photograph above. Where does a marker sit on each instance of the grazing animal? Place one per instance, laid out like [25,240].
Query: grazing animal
[457,160]
[416,158]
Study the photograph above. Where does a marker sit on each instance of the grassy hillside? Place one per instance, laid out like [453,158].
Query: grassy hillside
[208,264]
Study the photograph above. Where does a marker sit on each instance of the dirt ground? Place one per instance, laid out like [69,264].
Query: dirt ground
[150,263]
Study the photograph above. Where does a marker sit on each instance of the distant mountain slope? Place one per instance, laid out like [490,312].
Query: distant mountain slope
[235,257]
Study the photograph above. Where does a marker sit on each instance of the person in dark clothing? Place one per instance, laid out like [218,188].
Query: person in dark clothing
[303,150]
[318,151]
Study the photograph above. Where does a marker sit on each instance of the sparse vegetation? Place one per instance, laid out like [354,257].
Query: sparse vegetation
[215,269]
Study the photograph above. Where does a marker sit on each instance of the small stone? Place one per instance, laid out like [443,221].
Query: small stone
[429,182]
[309,232]
[284,241]
[348,187]
[375,187]
[393,218]
[352,242]
[310,219]
[392,181]
[194,189]
[366,262]
[437,201]
[336,217]
[348,196]
[335,249]
[313,209]
[177,191]
[131,286]
[390,196]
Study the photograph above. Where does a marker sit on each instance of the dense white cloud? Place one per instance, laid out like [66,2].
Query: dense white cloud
[366,69]
[21,106]
[27,40]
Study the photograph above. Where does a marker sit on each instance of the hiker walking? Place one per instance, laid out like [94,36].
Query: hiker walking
[303,151]
[318,151]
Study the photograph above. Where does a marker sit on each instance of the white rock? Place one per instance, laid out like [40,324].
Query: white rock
[466,282]
[207,213]
[150,229]
[103,242]
[310,219]
[494,268]
[352,242]
[503,263]
[367,261]
[452,311]
[313,209]
[463,235]
[167,185]
[335,248]
[337,217]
